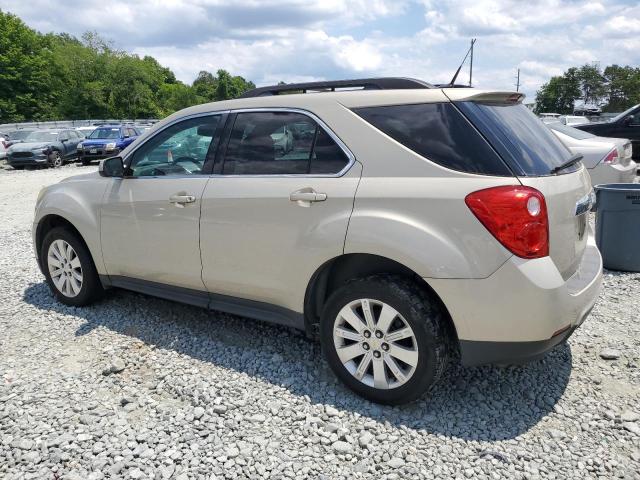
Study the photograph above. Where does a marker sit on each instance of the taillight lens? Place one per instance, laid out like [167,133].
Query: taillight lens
[516,216]
[612,157]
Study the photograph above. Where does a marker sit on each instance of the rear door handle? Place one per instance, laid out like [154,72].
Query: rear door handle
[181,199]
[307,195]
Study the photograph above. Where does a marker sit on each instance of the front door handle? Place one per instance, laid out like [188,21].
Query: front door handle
[306,196]
[180,199]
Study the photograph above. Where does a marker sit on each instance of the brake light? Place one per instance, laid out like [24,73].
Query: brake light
[516,216]
[612,157]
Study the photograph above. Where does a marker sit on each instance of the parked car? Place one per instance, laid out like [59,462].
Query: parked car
[106,141]
[608,160]
[572,120]
[549,117]
[4,144]
[18,136]
[47,147]
[624,125]
[417,222]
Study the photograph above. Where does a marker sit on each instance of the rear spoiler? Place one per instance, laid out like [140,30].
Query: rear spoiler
[464,95]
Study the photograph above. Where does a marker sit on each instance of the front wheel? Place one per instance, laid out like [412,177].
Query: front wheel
[55,159]
[69,269]
[385,338]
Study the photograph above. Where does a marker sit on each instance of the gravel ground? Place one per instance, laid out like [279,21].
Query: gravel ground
[136,387]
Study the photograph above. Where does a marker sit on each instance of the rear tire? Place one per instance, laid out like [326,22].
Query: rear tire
[406,336]
[69,269]
[85,162]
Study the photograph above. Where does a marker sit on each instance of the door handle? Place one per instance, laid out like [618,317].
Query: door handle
[181,199]
[307,195]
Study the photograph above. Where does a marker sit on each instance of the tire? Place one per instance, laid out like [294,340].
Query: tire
[90,287]
[427,348]
[55,159]
[85,162]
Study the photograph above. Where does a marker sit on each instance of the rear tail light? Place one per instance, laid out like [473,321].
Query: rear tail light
[516,216]
[612,157]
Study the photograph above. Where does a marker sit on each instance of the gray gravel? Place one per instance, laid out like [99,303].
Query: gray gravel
[136,387]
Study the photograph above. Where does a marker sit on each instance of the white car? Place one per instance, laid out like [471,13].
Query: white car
[571,120]
[3,146]
[608,160]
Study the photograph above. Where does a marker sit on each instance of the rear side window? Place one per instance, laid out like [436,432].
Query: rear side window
[523,141]
[281,143]
[438,132]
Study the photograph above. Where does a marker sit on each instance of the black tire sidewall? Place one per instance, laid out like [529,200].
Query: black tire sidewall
[398,296]
[91,286]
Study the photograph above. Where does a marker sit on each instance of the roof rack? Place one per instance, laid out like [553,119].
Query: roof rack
[385,83]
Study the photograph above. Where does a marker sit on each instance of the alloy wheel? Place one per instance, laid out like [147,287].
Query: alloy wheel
[65,268]
[375,344]
[56,159]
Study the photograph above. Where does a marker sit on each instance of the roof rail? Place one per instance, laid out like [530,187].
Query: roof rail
[384,83]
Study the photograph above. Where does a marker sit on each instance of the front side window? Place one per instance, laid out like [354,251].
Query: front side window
[281,143]
[181,149]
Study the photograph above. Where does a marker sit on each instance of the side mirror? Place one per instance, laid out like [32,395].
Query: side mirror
[127,135]
[111,167]
[628,120]
[63,140]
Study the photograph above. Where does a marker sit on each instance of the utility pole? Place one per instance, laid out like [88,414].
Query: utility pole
[473,40]
[518,81]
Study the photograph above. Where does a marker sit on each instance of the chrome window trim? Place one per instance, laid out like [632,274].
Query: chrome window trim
[321,123]
[313,116]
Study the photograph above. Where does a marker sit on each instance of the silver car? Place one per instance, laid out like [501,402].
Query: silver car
[404,224]
[608,160]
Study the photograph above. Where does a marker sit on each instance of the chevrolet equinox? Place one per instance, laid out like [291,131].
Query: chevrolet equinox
[399,223]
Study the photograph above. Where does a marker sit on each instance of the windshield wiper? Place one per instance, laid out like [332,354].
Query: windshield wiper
[572,161]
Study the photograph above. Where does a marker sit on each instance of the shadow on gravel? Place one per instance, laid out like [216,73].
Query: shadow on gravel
[483,403]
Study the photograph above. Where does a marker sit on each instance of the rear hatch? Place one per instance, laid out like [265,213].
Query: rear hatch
[534,154]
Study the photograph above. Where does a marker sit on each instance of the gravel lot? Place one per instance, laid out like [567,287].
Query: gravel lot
[137,387]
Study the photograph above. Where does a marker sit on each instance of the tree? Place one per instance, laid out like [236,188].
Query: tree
[559,94]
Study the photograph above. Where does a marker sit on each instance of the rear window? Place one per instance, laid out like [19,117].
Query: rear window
[522,140]
[438,132]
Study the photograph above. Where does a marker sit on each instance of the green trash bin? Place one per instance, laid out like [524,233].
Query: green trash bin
[618,225]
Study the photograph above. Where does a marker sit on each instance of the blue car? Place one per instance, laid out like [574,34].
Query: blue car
[106,141]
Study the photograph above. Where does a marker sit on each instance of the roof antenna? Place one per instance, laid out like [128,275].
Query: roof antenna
[455,76]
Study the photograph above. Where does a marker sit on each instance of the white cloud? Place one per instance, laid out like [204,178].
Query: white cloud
[296,40]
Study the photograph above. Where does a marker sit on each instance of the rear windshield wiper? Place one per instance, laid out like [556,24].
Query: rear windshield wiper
[572,161]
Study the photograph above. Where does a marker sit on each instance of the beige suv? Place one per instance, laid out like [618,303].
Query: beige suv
[401,223]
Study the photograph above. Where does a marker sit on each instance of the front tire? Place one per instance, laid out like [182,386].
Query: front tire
[55,159]
[385,338]
[69,269]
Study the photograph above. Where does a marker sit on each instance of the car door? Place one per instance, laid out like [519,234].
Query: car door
[150,218]
[629,127]
[274,212]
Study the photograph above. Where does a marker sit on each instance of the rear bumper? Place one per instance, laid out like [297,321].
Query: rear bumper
[521,311]
[603,173]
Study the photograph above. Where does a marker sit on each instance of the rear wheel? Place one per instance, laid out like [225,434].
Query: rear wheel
[85,162]
[55,159]
[385,338]
[69,269]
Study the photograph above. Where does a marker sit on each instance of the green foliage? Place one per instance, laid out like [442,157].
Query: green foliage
[57,76]
[615,89]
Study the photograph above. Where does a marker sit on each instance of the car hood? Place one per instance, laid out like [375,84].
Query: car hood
[28,146]
[83,177]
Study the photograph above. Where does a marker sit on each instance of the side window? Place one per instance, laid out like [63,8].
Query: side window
[131,132]
[180,149]
[438,132]
[280,143]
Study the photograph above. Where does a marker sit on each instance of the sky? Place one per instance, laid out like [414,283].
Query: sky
[301,40]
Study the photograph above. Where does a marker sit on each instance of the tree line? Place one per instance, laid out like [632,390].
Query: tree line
[613,89]
[57,76]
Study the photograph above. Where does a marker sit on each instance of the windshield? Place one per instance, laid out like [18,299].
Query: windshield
[42,136]
[624,114]
[570,131]
[19,134]
[520,137]
[105,133]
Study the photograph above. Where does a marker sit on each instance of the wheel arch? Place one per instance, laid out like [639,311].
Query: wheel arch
[48,223]
[336,272]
